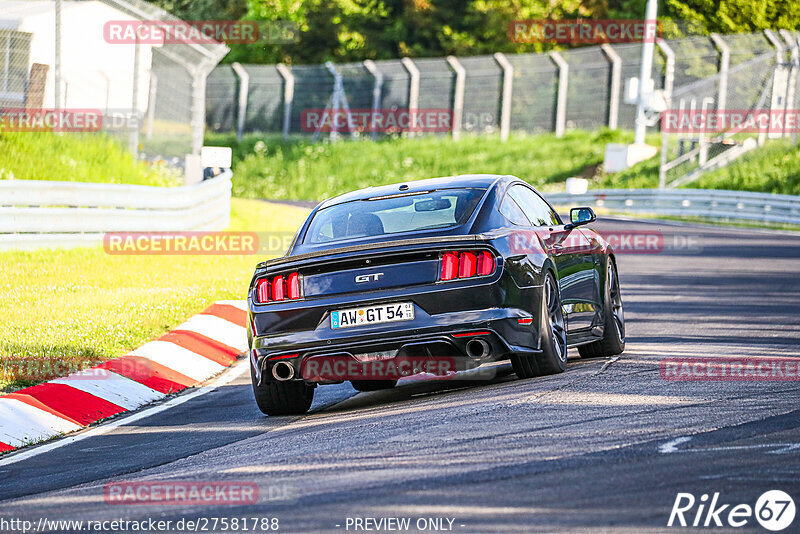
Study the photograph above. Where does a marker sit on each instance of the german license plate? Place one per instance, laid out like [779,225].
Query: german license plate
[385,313]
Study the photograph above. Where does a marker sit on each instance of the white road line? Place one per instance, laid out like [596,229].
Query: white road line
[233,373]
[217,328]
[114,388]
[179,359]
[21,423]
[671,446]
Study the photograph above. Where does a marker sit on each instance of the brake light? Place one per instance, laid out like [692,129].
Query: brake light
[278,288]
[263,290]
[466,264]
[293,286]
[485,264]
[449,265]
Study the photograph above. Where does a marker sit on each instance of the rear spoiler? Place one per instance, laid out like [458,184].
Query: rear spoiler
[373,247]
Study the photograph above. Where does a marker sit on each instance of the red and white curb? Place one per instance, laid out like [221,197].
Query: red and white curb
[191,353]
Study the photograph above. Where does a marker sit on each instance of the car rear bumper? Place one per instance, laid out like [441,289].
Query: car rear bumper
[443,336]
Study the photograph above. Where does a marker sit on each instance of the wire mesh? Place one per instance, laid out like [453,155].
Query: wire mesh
[589,74]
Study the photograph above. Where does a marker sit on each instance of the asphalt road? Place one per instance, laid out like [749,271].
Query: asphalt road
[607,445]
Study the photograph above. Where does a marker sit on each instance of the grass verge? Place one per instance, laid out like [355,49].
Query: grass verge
[81,306]
[76,158]
[269,167]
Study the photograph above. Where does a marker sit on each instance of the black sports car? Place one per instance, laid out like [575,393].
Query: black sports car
[436,276]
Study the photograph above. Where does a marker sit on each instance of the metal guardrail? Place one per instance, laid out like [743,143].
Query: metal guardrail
[713,204]
[37,214]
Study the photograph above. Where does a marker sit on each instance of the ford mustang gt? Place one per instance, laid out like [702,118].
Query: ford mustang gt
[430,276]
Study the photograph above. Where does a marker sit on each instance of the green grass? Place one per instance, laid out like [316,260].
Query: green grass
[76,158]
[268,167]
[773,168]
[80,306]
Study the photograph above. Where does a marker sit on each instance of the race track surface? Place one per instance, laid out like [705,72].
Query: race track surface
[606,445]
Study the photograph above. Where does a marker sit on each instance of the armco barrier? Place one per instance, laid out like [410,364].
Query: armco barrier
[713,204]
[36,214]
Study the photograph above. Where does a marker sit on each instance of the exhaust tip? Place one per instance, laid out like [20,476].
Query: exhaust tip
[283,371]
[478,349]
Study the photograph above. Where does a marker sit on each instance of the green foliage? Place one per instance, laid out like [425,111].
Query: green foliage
[350,30]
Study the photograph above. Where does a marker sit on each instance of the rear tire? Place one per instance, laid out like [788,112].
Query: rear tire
[373,385]
[613,340]
[553,358]
[282,398]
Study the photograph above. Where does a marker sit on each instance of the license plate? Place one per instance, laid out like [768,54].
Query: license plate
[385,313]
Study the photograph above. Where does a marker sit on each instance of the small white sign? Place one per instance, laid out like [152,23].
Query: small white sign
[216,156]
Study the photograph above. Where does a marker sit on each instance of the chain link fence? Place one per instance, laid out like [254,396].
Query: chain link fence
[550,92]
[73,58]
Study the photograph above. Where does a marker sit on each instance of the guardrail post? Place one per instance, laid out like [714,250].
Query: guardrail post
[563,84]
[505,103]
[413,87]
[376,93]
[458,95]
[616,77]
[669,80]
[288,96]
[724,64]
[244,88]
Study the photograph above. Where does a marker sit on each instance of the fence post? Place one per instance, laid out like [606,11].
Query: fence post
[198,113]
[616,75]
[376,93]
[779,82]
[244,89]
[724,64]
[151,105]
[413,88]
[458,96]
[669,80]
[793,66]
[505,103]
[563,84]
[133,134]
[288,96]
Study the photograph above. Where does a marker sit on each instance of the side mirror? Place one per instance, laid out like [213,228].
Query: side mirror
[580,216]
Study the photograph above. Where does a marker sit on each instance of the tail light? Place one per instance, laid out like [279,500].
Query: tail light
[466,264]
[278,288]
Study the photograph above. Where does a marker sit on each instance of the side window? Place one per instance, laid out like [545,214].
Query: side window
[512,212]
[536,209]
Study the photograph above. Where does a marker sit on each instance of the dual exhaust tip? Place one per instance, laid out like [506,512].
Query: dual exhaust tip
[283,371]
[478,349]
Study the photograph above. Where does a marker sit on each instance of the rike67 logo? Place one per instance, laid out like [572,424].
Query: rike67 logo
[774,510]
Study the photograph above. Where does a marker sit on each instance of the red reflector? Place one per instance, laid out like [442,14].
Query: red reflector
[485,264]
[467,334]
[263,290]
[527,320]
[278,288]
[284,356]
[467,263]
[293,286]
[449,266]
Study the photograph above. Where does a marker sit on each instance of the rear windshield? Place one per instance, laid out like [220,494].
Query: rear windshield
[392,215]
